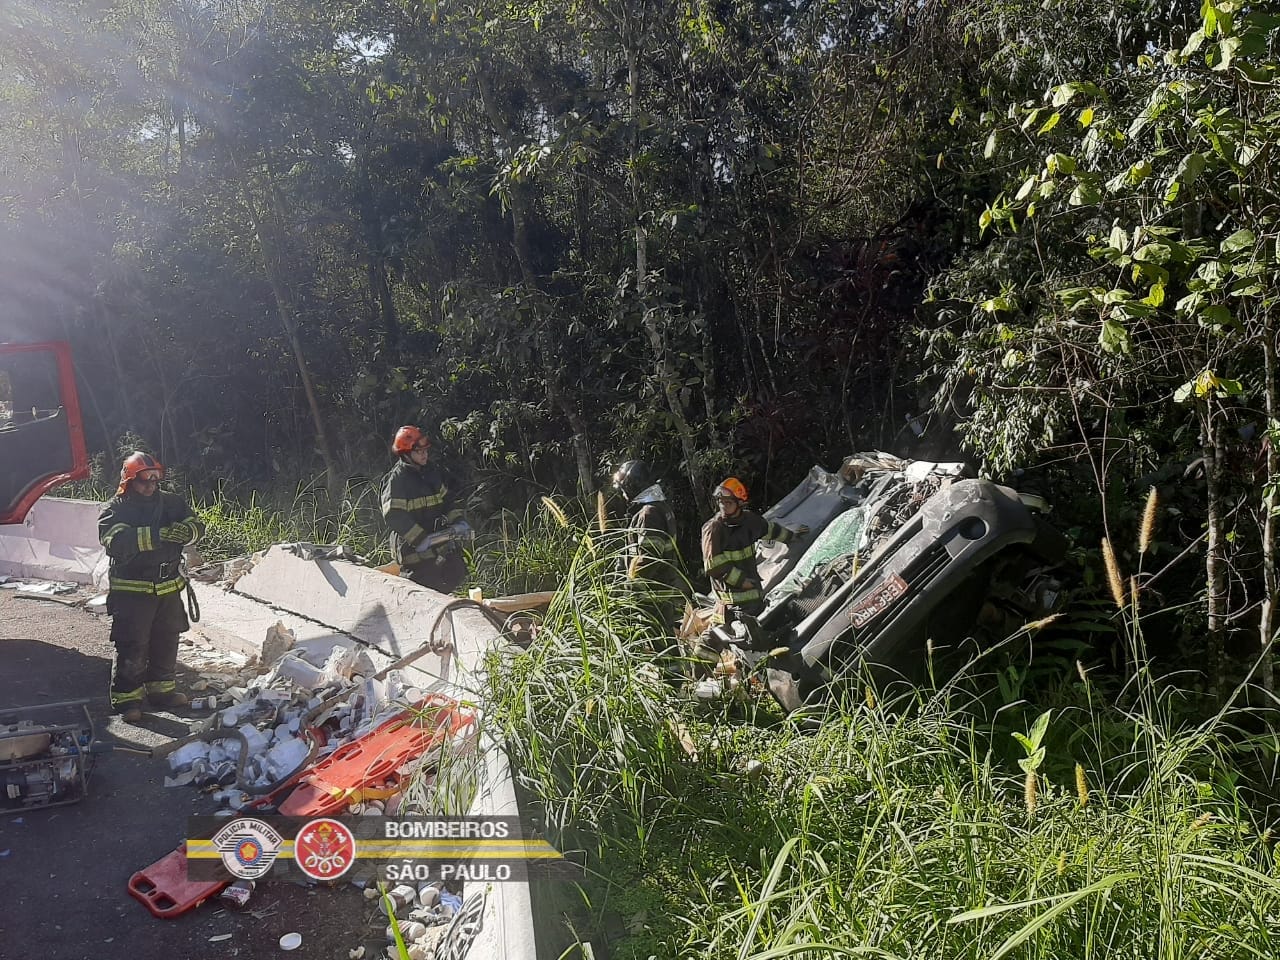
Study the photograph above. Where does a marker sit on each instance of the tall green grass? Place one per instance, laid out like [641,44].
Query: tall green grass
[238,526]
[917,828]
[242,521]
[531,551]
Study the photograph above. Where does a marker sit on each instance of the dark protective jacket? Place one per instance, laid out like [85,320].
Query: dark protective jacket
[651,546]
[131,530]
[729,557]
[416,502]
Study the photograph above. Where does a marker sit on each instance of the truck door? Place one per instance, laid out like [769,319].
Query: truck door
[41,436]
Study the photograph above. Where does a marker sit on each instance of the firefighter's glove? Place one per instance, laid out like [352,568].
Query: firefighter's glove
[178,532]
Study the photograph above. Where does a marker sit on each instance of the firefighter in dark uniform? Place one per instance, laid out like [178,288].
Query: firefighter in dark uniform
[729,558]
[652,557]
[143,530]
[416,503]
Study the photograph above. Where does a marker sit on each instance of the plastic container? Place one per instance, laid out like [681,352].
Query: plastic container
[238,893]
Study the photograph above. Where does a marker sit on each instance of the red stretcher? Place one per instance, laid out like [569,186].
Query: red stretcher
[368,768]
[165,890]
[363,769]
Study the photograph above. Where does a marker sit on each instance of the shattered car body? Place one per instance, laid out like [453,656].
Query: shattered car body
[898,554]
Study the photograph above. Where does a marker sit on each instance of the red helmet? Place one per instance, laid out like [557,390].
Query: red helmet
[136,463]
[732,487]
[407,438]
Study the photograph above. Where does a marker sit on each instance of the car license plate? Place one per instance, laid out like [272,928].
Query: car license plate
[877,601]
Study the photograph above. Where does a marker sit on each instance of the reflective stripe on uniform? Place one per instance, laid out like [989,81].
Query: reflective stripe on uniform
[730,556]
[160,589]
[656,543]
[111,534]
[161,686]
[126,696]
[417,503]
[779,533]
[144,539]
[736,598]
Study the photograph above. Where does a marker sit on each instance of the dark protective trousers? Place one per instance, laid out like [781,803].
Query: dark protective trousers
[442,574]
[144,629]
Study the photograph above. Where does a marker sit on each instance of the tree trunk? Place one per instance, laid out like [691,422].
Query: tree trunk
[1270,503]
[1215,562]
[381,290]
[547,353]
[655,317]
[279,290]
[379,285]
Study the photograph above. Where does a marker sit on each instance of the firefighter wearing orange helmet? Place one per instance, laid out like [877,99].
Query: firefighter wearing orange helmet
[144,530]
[729,550]
[418,505]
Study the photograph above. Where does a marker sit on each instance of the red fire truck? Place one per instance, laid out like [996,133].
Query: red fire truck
[41,434]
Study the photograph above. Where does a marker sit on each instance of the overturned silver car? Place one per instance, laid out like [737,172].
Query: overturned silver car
[898,553]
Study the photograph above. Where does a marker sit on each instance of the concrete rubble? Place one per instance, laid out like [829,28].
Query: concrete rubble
[278,636]
[334,676]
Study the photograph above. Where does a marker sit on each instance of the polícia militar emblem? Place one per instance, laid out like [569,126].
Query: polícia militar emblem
[249,847]
[324,849]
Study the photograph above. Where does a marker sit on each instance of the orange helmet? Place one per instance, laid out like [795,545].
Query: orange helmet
[732,487]
[407,438]
[134,464]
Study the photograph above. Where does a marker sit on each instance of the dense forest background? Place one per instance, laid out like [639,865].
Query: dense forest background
[740,236]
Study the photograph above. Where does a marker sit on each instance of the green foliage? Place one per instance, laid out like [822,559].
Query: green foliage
[478,217]
[1165,282]
[524,554]
[894,830]
[1119,311]
[234,528]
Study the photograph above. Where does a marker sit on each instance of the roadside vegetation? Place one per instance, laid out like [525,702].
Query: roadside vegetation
[1093,815]
[736,238]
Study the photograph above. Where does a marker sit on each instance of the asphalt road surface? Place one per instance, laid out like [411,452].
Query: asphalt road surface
[64,870]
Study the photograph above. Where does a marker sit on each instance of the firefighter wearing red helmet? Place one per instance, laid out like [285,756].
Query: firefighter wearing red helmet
[417,502]
[143,530]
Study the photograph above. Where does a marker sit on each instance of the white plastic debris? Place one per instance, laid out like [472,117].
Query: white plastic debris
[410,931]
[255,740]
[401,896]
[41,588]
[708,690]
[181,759]
[298,671]
[285,756]
[428,895]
